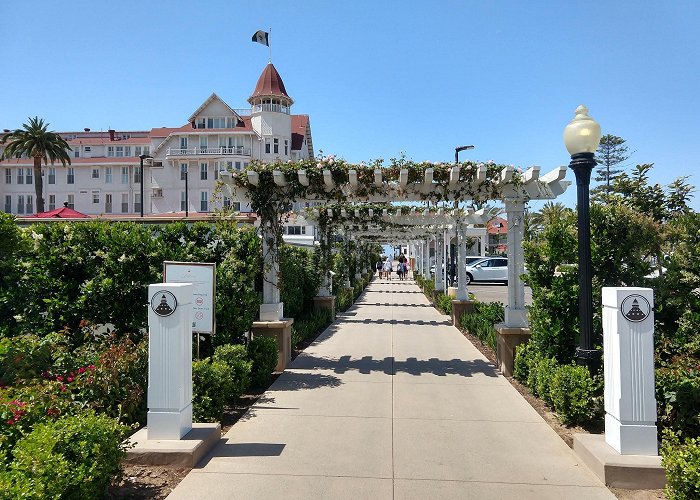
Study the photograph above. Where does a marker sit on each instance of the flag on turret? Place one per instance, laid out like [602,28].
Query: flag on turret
[261,37]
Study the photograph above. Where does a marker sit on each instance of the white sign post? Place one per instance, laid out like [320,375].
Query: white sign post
[169,360]
[203,278]
[628,346]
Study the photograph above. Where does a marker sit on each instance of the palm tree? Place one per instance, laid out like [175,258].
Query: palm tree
[35,141]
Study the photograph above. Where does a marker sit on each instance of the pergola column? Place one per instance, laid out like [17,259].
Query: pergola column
[326,289]
[426,258]
[347,260]
[516,314]
[462,292]
[272,308]
[439,251]
[358,261]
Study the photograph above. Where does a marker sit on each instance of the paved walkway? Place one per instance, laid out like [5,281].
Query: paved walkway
[391,402]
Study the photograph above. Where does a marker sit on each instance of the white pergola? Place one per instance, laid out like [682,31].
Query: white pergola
[361,185]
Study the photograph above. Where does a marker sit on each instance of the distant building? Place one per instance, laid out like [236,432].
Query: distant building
[105,179]
[497,229]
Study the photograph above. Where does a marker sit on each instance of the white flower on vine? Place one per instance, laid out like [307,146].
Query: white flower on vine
[122,258]
[37,236]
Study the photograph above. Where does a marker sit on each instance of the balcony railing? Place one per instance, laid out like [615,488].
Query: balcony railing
[223,151]
[278,108]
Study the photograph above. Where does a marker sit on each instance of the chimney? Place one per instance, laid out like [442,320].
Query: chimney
[111,134]
[86,129]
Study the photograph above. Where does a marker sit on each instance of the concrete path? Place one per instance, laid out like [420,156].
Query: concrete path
[391,402]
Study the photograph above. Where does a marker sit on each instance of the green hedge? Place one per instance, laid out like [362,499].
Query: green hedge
[343,299]
[444,303]
[74,457]
[681,459]
[300,280]
[481,321]
[263,352]
[307,328]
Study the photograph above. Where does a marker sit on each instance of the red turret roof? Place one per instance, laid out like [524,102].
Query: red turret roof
[269,84]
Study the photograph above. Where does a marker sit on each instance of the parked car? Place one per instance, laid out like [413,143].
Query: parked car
[470,260]
[488,269]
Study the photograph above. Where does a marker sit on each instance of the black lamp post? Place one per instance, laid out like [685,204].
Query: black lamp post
[143,157]
[581,137]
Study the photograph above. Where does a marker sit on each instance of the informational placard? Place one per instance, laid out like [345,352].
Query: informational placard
[203,277]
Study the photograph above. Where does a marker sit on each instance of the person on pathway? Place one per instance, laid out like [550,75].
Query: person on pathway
[400,270]
[452,271]
[387,268]
[379,268]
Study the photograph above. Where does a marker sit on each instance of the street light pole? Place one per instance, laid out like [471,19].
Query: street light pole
[581,137]
[142,157]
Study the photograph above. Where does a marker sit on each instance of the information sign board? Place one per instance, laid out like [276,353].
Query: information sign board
[203,278]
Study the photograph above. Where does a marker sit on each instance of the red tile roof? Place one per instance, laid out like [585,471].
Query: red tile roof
[127,160]
[269,84]
[105,140]
[61,213]
[299,125]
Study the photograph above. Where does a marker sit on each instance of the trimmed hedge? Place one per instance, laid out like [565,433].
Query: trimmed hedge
[263,353]
[480,323]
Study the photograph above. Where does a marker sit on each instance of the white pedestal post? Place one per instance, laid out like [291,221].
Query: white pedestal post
[169,360]
[462,290]
[439,252]
[515,312]
[628,344]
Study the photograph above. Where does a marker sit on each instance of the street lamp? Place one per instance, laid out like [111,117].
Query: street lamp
[143,157]
[581,137]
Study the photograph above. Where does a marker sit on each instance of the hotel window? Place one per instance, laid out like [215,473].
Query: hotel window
[71,201]
[203,142]
[183,201]
[276,145]
[76,153]
[88,149]
[227,202]
[137,175]
[108,175]
[70,175]
[20,176]
[203,171]
[8,175]
[201,123]
[137,150]
[120,151]
[267,145]
[29,178]
[137,202]
[183,171]
[52,175]
[286,147]
[20,204]
[146,150]
[110,150]
[204,202]
[236,206]
[127,150]
[125,175]
[108,203]
[96,173]
[52,202]
[238,165]
[296,230]
[216,174]
[8,204]
[96,197]
[183,142]
[125,203]
[30,204]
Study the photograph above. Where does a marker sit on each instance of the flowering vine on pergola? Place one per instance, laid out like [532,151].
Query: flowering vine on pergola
[271,188]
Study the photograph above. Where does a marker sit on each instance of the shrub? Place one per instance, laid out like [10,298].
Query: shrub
[481,321]
[681,459]
[23,358]
[521,364]
[263,352]
[211,388]
[429,288]
[300,280]
[117,382]
[444,303]
[74,457]
[236,358]
[545,369]
[572,394]
[304,329]
[678,395]
[343,299]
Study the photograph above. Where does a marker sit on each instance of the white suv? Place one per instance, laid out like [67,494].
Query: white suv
[488,269]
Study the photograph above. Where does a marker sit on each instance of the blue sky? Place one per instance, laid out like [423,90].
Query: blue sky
[376,78]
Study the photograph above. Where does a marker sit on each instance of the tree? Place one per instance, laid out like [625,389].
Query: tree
[612,152]
[35,141]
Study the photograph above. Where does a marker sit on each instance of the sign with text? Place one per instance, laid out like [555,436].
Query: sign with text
[203,278]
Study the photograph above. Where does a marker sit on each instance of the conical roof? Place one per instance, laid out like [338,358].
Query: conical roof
[269,84]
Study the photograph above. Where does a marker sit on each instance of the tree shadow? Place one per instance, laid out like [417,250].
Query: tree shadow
[226,449]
